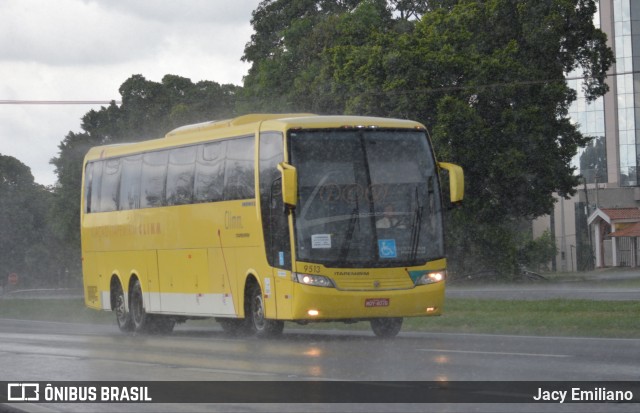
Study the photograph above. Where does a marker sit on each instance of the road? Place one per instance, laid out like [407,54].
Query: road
[544,292]
[46,351]
[612,284]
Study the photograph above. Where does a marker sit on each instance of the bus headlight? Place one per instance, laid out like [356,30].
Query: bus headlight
[431,277]
[315,280]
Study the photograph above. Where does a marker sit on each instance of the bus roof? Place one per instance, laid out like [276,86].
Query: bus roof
[245,125]
[238,121]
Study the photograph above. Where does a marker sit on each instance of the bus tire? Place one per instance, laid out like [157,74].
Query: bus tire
[142,321]
[139,317]
[386,327]
[118,305]
[258,323]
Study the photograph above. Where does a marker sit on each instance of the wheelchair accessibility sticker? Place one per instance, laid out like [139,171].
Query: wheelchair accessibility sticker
[387,248]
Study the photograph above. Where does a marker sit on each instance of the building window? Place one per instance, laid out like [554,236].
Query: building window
[626,13]
[590,161]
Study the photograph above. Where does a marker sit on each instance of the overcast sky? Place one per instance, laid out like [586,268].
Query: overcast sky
[85,49]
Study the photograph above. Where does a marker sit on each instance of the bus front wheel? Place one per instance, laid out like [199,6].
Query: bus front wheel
[259,324]
[386,327]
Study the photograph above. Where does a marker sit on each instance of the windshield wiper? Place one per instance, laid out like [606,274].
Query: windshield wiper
[415,228]
[353,219]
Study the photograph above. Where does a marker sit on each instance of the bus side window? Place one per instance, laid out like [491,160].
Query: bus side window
[209,179]
[110,186]
[130,182]
[180,175]
[88,176]
[239,170]
[96,184]
[154,175]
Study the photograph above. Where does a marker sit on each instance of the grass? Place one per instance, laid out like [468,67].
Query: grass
[65,310]
[585,282]
[584,318]
[557,317]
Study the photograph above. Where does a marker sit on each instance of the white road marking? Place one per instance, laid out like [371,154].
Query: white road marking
[497,353]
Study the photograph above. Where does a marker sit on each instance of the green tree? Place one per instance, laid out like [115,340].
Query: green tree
[508,85]
[486,77]
[16,221]
[24,230]
[288,50]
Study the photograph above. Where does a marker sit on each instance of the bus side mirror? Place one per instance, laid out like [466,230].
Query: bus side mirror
[456,181]
[289,184]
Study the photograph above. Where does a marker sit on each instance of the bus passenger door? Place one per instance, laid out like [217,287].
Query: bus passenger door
[279,250]
[275,222]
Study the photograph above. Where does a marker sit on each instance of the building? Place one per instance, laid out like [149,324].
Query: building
[586,233]
[614,236]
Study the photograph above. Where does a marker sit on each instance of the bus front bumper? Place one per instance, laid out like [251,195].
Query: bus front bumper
[322,304]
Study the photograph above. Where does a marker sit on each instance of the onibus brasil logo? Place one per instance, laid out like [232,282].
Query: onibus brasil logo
[33,392]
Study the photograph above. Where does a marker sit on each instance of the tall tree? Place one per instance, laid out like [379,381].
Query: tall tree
[16,221]
[508,61]
[486,77]
[24,230]
[288,47]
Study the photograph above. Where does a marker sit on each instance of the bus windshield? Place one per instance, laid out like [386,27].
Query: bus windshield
[367,198]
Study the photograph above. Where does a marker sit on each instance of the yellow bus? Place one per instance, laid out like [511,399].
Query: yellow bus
[267,218]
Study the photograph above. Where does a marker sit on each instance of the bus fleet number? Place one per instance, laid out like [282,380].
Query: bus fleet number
[313,269]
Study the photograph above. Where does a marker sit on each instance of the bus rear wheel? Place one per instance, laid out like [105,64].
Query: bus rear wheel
[118,305]
[136,305]
[259,324]
[386,327]
[143,322]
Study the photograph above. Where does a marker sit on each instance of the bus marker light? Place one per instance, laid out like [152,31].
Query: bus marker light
[313,313]
[431,309]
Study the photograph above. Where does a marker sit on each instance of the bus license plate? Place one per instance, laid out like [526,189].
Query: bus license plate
[376,302]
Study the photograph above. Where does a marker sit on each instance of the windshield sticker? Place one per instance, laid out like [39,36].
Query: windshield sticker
[267,286]
[387,248]
[281,258]
[321,241]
